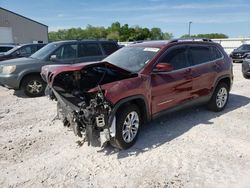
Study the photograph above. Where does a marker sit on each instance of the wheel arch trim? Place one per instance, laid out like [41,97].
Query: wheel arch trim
[126,100]
[221,78]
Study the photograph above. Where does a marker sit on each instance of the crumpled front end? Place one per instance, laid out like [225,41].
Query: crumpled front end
[82,104]
[88,119]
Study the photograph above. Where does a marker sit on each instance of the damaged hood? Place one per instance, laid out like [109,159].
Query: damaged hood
[49,72]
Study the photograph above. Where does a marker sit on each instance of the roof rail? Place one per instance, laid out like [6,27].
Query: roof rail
[190,39]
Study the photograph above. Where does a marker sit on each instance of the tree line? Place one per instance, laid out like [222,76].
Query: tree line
[118,32]
[207,36]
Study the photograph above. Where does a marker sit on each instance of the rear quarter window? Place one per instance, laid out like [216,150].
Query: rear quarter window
[215,53]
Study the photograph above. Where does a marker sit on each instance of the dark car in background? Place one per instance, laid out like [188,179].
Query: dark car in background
[24,73]
[19,51]
[240,53]
[6,47]
[246,66]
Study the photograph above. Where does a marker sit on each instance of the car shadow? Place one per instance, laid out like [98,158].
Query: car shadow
[19,93]
[171,126]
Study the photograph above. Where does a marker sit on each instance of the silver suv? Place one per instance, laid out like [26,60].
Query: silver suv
[24,73]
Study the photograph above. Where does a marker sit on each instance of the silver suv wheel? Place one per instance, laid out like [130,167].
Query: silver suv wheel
[34,87]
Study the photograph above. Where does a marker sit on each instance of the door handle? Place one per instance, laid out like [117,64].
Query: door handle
[188,71]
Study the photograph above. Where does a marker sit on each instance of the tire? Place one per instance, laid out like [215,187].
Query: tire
[246,76]
[126,130]
[220,98]
[38,86]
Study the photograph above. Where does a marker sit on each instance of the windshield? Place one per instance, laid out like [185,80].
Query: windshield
[132,58]
[244,47]
[45,51]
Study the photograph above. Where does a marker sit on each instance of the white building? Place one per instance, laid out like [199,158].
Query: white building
[15,28]
[232,43]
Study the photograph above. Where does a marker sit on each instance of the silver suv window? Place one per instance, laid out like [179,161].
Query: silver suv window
[68,51]
[89,49]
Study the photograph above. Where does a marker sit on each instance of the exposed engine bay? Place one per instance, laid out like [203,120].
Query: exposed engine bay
[87,113]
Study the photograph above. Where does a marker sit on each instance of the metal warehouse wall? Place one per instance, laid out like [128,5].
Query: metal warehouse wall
[23,29]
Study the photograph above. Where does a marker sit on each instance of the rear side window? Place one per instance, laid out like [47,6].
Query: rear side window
[199,54]
[40,46]
[177,58]
[27,50]
[91,49]
[33,49]
[109,48]
[216,54]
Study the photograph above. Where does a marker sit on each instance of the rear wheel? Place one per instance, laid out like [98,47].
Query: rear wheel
[33,86]
[220,98]
[127,127]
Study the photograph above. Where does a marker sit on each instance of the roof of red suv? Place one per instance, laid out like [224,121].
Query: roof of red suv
[153,44]
[164,43]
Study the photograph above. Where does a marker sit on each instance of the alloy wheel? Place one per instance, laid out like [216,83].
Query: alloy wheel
[34,87]
[221,97]
[130,127]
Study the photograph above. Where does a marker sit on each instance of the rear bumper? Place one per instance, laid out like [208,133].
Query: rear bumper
[237,60]
[10,81]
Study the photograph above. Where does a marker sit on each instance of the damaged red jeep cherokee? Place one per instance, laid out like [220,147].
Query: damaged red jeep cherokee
[108,101]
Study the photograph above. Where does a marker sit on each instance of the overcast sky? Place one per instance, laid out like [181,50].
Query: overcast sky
[231,17]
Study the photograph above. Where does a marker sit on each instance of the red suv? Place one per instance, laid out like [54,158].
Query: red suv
[108,101]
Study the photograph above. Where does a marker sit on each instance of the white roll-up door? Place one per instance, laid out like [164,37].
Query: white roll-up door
[6,35]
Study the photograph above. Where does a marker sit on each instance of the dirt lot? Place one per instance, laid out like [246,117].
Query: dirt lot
[191,148]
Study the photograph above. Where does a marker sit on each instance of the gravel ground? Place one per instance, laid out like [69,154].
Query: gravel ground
[190,148]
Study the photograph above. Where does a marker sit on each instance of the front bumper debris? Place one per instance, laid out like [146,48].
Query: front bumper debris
[87,120]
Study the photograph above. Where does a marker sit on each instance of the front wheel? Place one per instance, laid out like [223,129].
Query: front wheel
[220,98]
[33,86]
[246,76]
[127,127]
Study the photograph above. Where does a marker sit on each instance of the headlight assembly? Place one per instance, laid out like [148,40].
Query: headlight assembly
[8,69]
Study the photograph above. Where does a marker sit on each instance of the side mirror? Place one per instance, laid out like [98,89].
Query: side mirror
[163,67]
[18,53]
[53,58]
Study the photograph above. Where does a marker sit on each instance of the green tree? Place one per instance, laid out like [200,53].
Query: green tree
[156,34]
[124,33]
[208,36]
[167,36]
[114,35]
